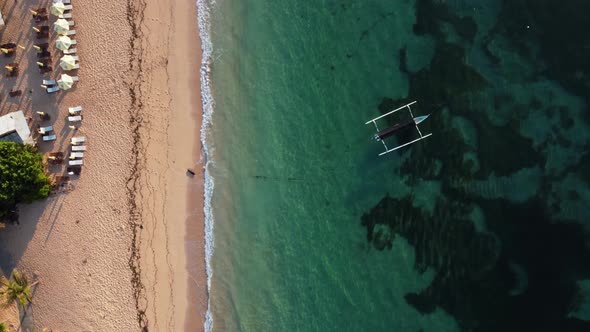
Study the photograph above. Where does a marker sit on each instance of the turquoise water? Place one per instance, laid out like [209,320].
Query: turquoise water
[314,232]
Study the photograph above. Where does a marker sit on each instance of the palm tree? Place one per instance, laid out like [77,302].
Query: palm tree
[17,289]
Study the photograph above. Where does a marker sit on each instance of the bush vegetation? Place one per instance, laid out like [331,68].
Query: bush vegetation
[22,177]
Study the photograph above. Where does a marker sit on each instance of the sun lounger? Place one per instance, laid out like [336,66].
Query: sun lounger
[75,78]
[68,7]
[65,15]
[78,147]
[78,140]
[73,42]
[74,170]
[65,2]
[55,157]
[60,179]
[71,33]
[70,51]
[41,46]
[15,93]
[49,138]
[49,82]
[42,35]
[44,62]
[74,110]
[41,18]
[76,58]
[44,54]
[43,116]
[45,70]
[76,162]
[41,28]
[76,66]
[71,23]
[75,155]
[76,118]
[44,130]
[52,89]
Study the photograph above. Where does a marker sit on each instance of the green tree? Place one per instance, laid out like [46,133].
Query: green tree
[16,289]
[3,327]
[22,176]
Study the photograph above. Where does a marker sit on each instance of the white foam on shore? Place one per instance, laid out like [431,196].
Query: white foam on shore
[203,9]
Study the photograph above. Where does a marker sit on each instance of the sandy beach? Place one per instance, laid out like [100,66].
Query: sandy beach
[171,201]
[122,248]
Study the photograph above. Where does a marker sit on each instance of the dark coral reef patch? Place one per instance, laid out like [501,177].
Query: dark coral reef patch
[474,278]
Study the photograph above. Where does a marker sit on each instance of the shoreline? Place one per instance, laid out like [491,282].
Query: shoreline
[170,203]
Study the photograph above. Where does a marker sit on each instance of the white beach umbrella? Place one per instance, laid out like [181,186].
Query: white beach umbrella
[61,26]
[57,8]
[65,82]
[63,42]
[67,62]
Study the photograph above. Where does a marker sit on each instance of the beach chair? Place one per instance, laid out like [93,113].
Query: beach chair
[73,42]
[76,58]
[70,51]
[41,18]
[65,15]
[42,35]
[55,157]
[78,140]
[39,11]
[71,33]
[78,147]
[44,62]
[75,78]
[76,66]
[15,93]
[76,162]
[68,7]
[45,70]
[74,170]
[76,118]
[62,180]
[71,23]
[74,110]
[44,54]
[65,2]
[52,89]
[41,28]
[43,116]
[49,82]
[49,138]
[75,155]
[44,130]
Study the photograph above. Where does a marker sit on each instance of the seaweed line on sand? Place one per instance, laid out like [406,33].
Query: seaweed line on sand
[135,16]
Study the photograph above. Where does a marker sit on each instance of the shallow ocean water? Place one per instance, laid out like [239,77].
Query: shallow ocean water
[481,227]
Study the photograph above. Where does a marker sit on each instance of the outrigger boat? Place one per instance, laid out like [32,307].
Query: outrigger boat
[381,135]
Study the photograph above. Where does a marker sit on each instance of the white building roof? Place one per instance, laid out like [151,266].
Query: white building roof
[14,127]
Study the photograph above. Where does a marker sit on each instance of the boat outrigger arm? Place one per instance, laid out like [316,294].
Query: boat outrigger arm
[381,135]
